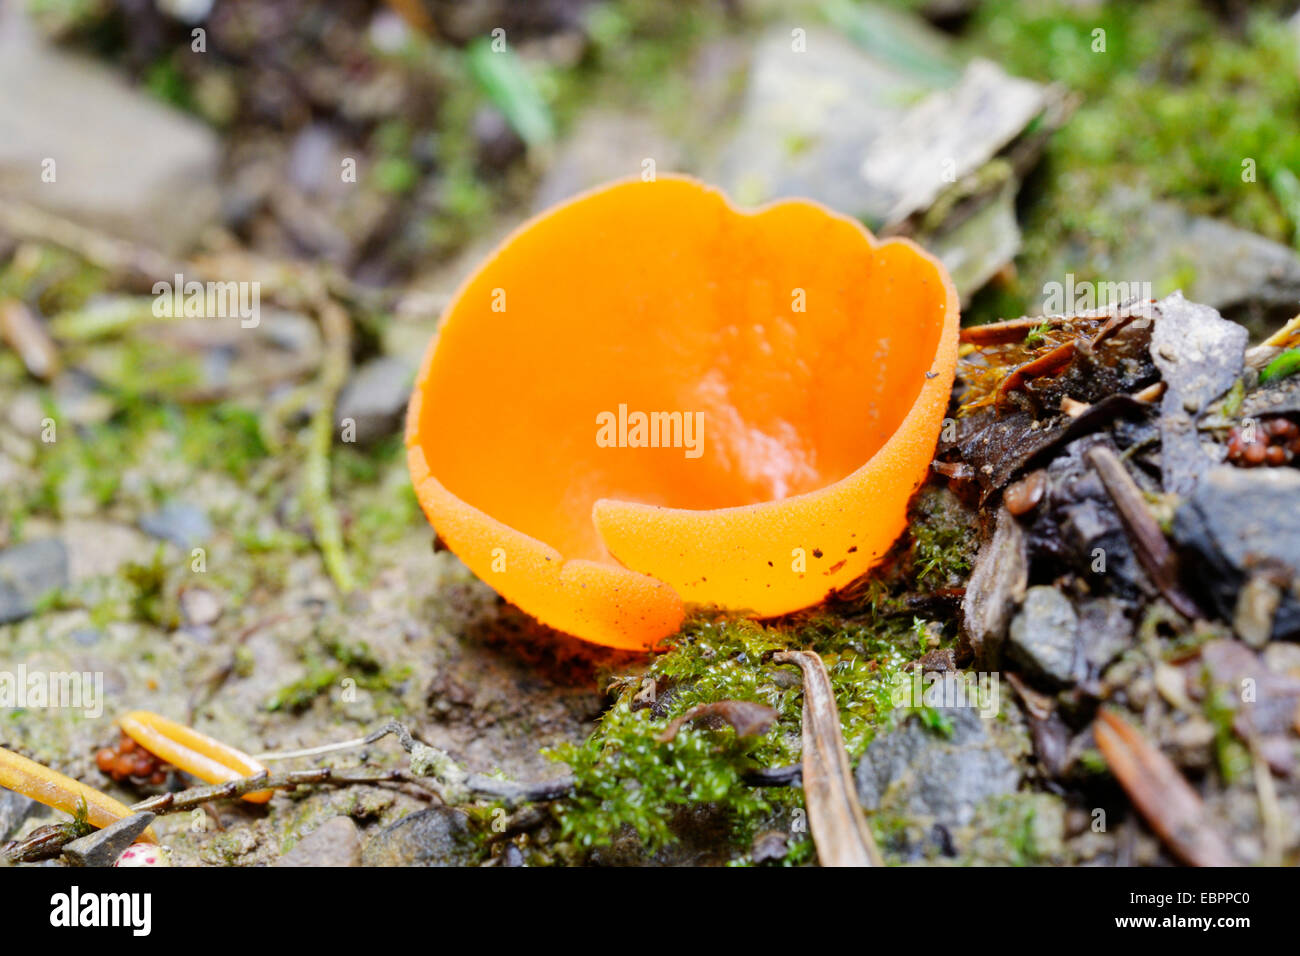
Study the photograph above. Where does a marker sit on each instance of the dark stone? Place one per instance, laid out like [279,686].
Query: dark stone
[184,525]
[28,572]
[497,142]
[1079,527]
[1240,522]
[438,836]
[103,847]
[1105,632]
[14,808]
[374,400]
[1044,636]
[336,842]
[918,772]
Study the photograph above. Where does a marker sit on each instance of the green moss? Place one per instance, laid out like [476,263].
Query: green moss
[153,597]
[1176,104]
[330,660]
[89,462]
[626,779]
[944,535]
[298,695]
[1231,755]
[50,279]
[1036,334]
[1021,829]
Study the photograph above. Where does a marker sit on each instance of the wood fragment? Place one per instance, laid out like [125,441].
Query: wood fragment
[835,819]
[141,265]
[1004,333]
[1166,801]
[27,336]
[1148,540]
[1038,704]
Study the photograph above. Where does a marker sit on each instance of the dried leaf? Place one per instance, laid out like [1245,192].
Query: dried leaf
[747,718]
[835,818]
[1166,801]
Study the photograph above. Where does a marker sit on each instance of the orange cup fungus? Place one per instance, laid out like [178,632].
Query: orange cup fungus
[647,397]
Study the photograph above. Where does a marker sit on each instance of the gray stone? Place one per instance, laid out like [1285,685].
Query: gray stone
[605,145]
[28,572]
[854,129]
[1278,397]
[374,399]
[200,606]
[123,162]
[1226,267]
[978,247]
[1045,635]
[1105,632]
[917,772]
[14,807]
[965,125]
[98,548]
[336,842]
[183,524]
[438,836]
[1200,355]
[1240,521]
[103,847]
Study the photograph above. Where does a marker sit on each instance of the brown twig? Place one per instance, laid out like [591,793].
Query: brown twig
[48,841]
[1148,540]
[144,266]
[337,329]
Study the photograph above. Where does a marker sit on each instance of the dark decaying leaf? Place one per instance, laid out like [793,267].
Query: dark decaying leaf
[835,817]
[1166,801]
[747,718]
[1017,386]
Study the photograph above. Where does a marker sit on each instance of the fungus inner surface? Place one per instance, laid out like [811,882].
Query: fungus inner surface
[798,347]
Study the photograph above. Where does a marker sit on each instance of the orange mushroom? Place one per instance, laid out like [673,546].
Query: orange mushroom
[196,753]
[647,397]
